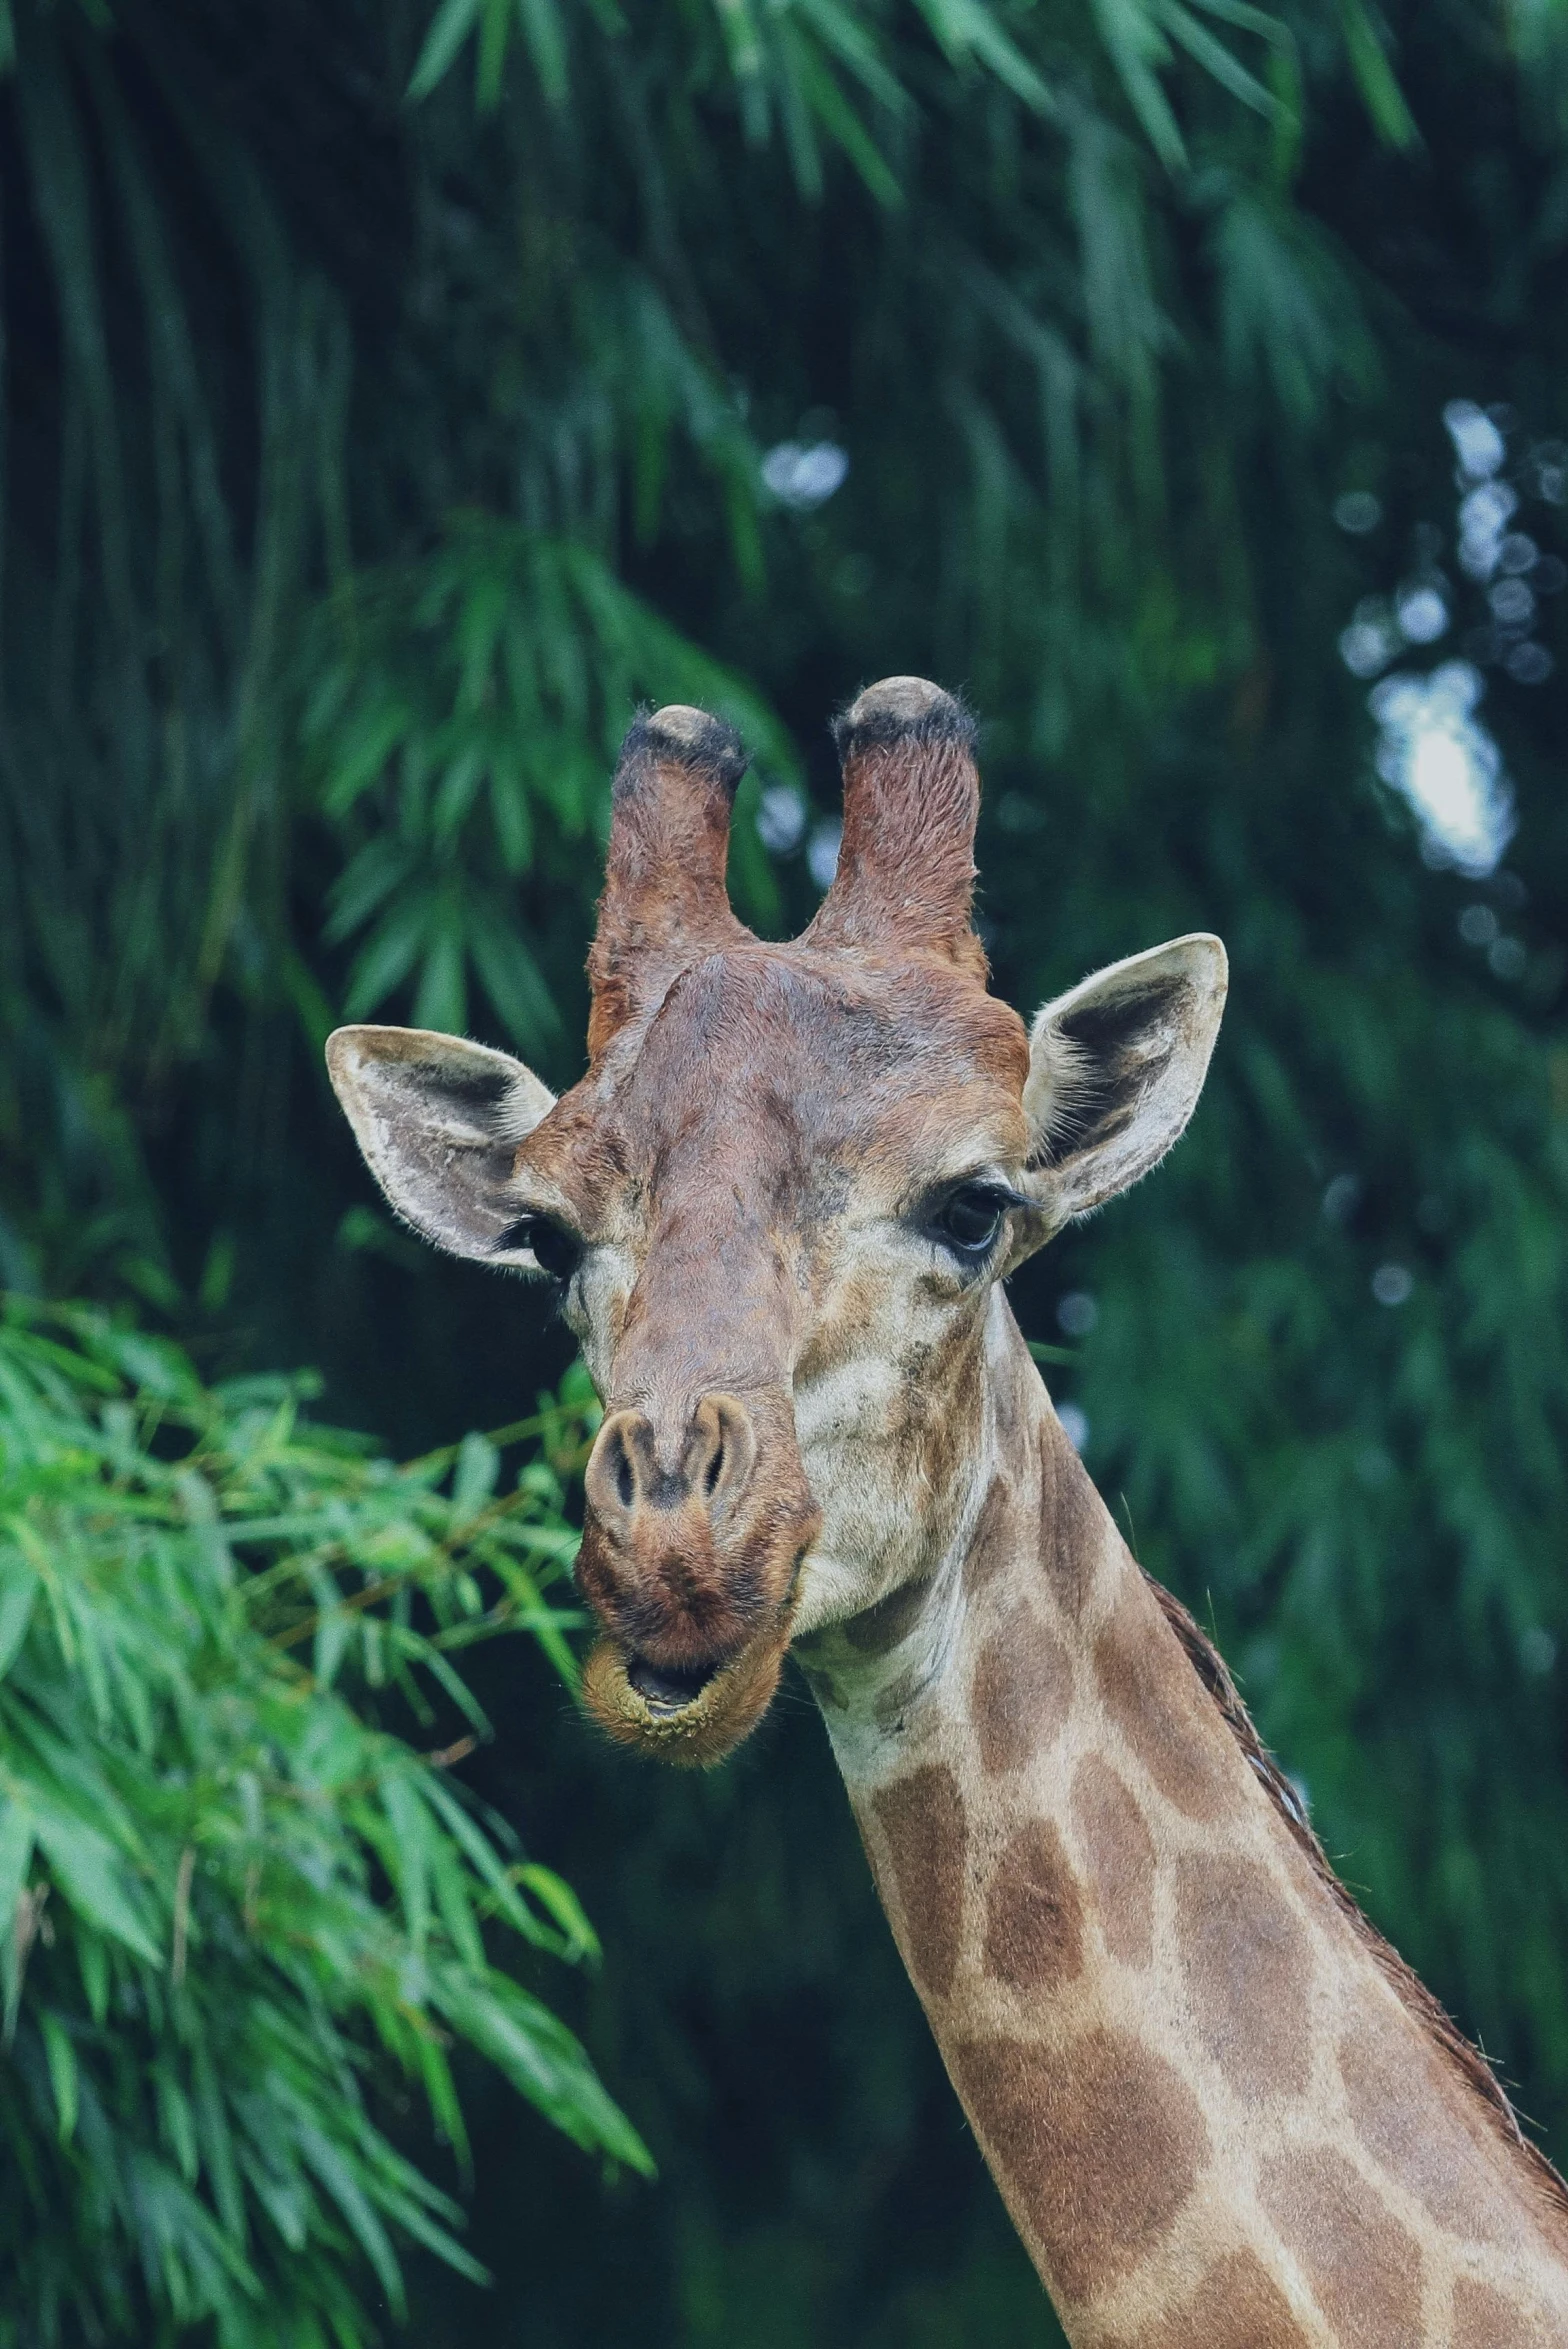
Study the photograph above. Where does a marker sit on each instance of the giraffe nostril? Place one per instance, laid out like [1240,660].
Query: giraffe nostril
[721,1451]
[619,1471]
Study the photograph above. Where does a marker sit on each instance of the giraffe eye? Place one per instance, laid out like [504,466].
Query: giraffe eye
[555,1250]
[969,1220]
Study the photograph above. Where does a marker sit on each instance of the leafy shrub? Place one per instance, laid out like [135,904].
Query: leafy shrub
[239,1900]
[462,720]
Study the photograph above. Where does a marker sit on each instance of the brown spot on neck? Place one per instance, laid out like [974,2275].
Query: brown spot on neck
[1423,2127]
[878,1629]
[1362,2265]
[1020,1692]
[995,1544]
[1120,1853]
[1074,1526]
[927,1837]
[1153,1699]
[1015,1392]
[1248,1966]
[1238,2305]
[1543,2186]
[1483,2319]
[1096,2148]
[1034,1914]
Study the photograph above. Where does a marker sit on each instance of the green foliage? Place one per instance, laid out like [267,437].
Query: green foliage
[459,707]
[239,1902]
[303,452]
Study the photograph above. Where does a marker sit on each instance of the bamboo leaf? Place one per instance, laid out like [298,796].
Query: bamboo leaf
[449,28]
[18,1589]
[16,1851]
[63,2077]
[545,37]
[94,1880]
[969,28]
[557,1896]
[390,955]
[337,2174]
[1374,76]
[1138,50]
[495,27]
[1216,59]
[475,1477]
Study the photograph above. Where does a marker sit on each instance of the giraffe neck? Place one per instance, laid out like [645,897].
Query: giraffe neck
[1213,2102]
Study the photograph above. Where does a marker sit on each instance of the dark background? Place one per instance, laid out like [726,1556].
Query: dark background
[367,456]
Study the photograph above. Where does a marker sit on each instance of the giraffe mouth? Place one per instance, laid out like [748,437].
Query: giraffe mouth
[691,1715]
[665,1689]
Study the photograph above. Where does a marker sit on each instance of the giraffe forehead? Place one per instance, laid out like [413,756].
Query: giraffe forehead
[831,1045]
[789,1077]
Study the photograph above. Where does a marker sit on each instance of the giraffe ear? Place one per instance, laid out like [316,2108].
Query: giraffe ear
[1115,1069]
[439,1121]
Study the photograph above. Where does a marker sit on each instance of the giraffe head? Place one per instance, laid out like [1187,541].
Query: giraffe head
[778,1205]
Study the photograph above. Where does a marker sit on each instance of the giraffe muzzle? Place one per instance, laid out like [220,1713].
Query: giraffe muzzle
[691,1550]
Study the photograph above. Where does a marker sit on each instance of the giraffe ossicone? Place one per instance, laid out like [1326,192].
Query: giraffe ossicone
[779,1209]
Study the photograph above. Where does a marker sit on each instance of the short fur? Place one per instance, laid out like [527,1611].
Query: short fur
[1466,2059]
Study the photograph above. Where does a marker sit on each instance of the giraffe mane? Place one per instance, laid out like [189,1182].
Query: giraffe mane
[1412,1993]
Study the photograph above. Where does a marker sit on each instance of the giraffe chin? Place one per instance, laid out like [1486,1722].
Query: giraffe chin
[661,1719]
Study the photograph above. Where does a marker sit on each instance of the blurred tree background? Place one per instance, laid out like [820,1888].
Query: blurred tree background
[394,394]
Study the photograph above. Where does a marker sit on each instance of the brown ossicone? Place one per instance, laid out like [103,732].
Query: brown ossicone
[906,868]
[664,900]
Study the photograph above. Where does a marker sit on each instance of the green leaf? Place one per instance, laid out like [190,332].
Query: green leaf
[543,2060]
[450,27]
[93,1879]
[337,2173]
[1216,59]
[557,1896]
[1249,20]
[441,1000]
[1138,50]
[92,1957]
[545,37]
[63,2077]
[514,984]
[18,1588]
[839,119]
[361,752]
[16,1851]
[334,1629]
[969,28]
[412,1832]
[476,1475]
[441,2095]
[1380,91]
[855,46]
[389,956]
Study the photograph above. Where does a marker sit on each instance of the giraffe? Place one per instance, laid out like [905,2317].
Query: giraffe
[778,1211]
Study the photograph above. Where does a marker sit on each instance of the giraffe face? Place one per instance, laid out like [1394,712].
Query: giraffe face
[774,1210]
[787,1199]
